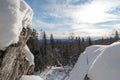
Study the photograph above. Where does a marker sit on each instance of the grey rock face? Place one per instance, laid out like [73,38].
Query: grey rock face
[12,61]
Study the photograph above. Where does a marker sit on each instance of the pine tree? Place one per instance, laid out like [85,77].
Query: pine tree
[52,42]
[116,36]
[34,46]
[83,45]
[79,44]
[44,49]
[44,43]
[83,40]
[102,40]
[89,41]
[46,52]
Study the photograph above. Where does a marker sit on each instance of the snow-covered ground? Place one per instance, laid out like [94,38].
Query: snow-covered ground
[55,73]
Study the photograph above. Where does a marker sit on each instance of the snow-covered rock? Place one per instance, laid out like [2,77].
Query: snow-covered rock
[107,64]
[98,62]
[26,14]
[32,77]
[29,55]
[84,62]
[15,24]
[14,15]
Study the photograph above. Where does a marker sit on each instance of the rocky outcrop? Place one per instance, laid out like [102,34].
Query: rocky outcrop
[13,63]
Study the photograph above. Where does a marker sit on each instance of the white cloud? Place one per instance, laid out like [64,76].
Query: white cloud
[42,24]
[92,12]
[117,27]
[95,12]
[94,32]
[84,18]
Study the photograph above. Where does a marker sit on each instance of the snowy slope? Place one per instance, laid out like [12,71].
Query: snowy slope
[85,61]
[107,65]
[14,15]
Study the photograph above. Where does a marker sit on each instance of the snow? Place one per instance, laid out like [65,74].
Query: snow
[98,62]
[84,62]
[107,65]
[29,55]
[54,73]
[14,15]
[31,77]
[26,14]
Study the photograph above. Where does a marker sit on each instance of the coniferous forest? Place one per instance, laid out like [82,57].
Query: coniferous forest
[58,52]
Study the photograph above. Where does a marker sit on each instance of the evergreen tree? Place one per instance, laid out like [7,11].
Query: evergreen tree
[89,41]
[52,42]
[44,43]
[34,46]
[44,49]
[116,36]
[83,40]
[47,55]
[102,40]
[76,39]
[83,45]
[79,44]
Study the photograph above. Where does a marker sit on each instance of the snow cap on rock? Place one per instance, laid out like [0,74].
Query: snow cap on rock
[14,15]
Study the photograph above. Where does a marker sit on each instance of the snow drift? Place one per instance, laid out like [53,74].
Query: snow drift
[99,62]
[85,61]
[107,64]
[14,15]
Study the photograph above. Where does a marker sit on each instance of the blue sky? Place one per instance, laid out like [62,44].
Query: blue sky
[94,18]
